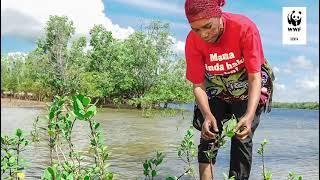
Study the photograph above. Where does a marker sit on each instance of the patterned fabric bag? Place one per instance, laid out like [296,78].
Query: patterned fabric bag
[234,87]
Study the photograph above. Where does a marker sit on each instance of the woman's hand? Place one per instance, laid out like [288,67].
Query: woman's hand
[243,129]
[244,125]
[209,123]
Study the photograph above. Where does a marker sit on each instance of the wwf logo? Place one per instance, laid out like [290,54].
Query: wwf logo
[294,18]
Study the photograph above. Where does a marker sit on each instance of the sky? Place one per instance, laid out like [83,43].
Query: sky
[296,67]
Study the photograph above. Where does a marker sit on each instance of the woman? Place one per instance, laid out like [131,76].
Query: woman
[226,64]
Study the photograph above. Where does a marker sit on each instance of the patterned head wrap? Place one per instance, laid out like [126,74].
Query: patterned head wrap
[199,9]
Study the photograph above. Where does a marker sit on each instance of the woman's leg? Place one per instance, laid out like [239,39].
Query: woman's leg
[218,109]
[205,171]
[241,150]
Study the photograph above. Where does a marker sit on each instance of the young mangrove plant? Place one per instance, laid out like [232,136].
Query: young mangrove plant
[84,110]
[63,113]
[294,176]
[220,140]
[55,124]
[35,134]
[265,174]
[150,166]
[187,152]
[12,164]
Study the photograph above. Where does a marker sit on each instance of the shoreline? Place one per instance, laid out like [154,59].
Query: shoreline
[5,102]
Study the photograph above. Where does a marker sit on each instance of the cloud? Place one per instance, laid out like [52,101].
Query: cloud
[297,81]
[289,93]
[279,86]
[160,6]
[14,22]
[275,69]
[178,46]
[295,65]
[300,62]
[304,88]
[311,84]
[287,71]
[26,19]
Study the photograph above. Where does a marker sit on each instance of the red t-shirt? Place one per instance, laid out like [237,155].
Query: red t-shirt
[239,46]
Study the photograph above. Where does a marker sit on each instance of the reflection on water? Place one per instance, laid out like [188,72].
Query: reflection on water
[293,137]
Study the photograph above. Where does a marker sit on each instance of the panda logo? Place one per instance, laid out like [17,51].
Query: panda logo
[294,18]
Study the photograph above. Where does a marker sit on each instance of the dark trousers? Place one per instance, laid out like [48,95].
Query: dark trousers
[241,150]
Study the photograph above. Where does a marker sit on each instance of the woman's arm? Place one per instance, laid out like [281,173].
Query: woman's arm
[199,91]
[254,82]
[254,92]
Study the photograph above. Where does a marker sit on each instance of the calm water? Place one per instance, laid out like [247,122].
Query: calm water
[293,137]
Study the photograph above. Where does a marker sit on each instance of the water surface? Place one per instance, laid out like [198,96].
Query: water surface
[293,137]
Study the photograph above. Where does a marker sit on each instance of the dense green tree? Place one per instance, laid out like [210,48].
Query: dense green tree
[59,30]
[141,69]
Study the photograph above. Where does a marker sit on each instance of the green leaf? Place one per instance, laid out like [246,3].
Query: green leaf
[96,169]
[12,160]
[153,173]
[92,110]
[145,165]
[88,115]
[86,177]
[51,114]
[146,172]
[96,126]
[229,126]
[189,132]
[79,104]
[19,132]
[86,101]
[264,142]
[70,176]
[47,175]
[106,157]
[150,163]
[74,99]
[51,132]
[79,115]
[60,177]
[80,97]
[77,107]
[109,176]
[260,151]
[179,153]
[51,171]
[171,178]
[159,161]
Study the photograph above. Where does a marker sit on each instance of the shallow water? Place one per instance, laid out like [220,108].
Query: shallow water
[293,137]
